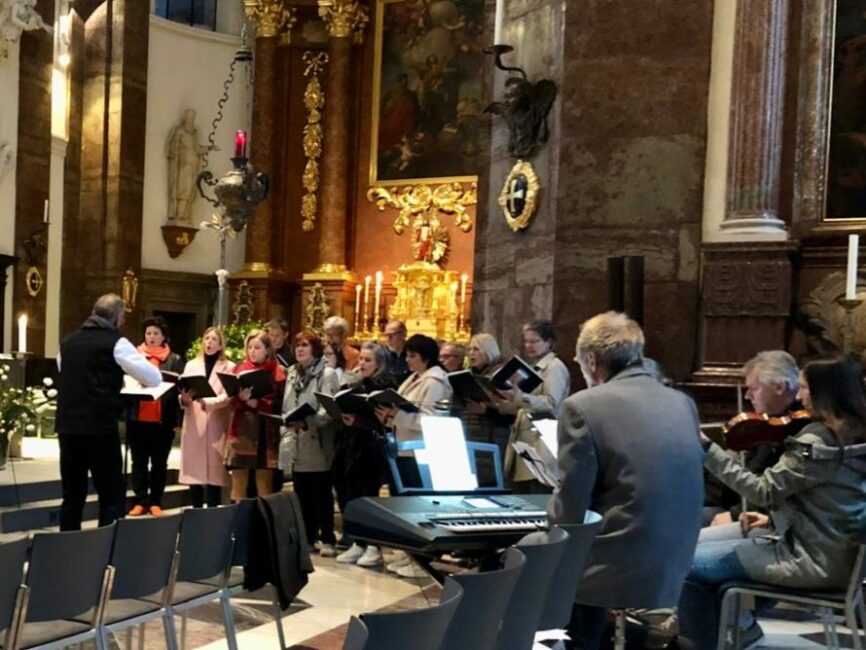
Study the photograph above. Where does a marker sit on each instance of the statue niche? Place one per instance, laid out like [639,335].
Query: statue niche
[185,157]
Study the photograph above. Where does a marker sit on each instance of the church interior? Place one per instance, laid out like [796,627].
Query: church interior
[461,166]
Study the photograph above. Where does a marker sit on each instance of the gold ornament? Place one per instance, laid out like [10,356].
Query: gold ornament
[270,17]
[519,196]
[314,101]
[344,18]
[318,309]
[420,207]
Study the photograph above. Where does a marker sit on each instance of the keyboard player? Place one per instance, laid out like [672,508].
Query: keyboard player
[628,449]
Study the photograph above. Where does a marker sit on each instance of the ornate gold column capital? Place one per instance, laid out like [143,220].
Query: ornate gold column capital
[270,17]
[344,18]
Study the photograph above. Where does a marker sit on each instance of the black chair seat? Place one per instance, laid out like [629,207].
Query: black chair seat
[832,596]
[125,608]
[186,591]
[35,634]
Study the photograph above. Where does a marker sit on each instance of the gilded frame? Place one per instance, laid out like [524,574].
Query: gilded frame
[533,191]
[375,105]
[814,115]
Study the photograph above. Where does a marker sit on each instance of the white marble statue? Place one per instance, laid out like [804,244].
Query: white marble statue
[184,155]
[17,16]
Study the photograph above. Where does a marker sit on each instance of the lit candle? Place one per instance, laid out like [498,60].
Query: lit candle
[241,144]
[851,277]
[22,333]
[357,306]
[45,211]
[367,281]
[378,299]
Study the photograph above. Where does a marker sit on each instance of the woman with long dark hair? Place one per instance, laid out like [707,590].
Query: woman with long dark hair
[359,464]
[814,496]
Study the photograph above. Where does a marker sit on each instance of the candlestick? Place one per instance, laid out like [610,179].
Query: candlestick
[849,305]
[45,211]
[22,333]
[367,281]
[241,144]
[378,301]
[357,306]
[851,276]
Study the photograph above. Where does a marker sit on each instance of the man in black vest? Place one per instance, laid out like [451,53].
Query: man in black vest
[92,362]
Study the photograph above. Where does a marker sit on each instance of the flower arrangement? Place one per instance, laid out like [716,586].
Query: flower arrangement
[234,336]
[20,410]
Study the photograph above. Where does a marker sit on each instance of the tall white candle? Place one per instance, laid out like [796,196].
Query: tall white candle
[851,277]
[22,333]
[45,211]
[378,298]
[499,16]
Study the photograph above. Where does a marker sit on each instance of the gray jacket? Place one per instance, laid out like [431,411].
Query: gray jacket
[814,497]
[314,445]
[629,450]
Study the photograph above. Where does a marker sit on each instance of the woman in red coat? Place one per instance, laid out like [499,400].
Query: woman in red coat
[253,441]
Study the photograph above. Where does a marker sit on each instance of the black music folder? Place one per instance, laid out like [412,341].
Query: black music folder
[329,403]
[298,414]
[169,376]
[259,381]
[471,387]
[517,373]
[197,384]
[390,397]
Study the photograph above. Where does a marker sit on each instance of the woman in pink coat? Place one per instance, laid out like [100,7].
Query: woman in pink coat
[205,422]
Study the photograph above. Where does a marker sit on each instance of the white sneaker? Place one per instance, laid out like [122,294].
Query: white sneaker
[371,557]
[399,559]
[351,555]
[328,550]
[412,570]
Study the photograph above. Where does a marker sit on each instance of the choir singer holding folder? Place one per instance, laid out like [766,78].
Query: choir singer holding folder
[89,405]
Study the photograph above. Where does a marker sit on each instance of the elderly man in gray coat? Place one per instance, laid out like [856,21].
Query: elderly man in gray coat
[628,449]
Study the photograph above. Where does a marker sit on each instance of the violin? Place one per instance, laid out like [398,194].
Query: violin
[747,430]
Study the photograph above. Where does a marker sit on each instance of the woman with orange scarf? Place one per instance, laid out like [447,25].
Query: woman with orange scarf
[253,441]
[150,426]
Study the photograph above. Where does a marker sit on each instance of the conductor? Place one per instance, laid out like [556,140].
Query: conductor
[89,404]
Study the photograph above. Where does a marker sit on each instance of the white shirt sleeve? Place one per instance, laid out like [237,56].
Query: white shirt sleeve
[135,364]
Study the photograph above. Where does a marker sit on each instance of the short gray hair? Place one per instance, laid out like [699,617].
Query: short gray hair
[774,366]
[336,323]
[488,346]
[615,339]
[108,306]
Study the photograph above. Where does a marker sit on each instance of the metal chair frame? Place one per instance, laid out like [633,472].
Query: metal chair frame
[849,603]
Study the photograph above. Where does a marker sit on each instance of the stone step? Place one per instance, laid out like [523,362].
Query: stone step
[45,513]
[11,494]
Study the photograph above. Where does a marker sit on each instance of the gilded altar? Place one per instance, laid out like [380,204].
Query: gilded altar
[429,301]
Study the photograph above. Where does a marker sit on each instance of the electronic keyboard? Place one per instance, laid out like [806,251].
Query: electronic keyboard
[435,524]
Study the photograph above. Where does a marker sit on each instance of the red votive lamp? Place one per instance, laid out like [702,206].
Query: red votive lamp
[241,144]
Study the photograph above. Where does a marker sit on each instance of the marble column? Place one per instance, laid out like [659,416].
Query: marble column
[757,103]
[345,20]
[270,18]
[269,287]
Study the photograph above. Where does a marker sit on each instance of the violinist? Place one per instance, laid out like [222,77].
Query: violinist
[815,495]
[771,387]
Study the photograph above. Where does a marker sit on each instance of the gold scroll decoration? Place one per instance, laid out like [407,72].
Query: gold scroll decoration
[270,17]
[420,207]
[314,101]
[344,18]
[318,309]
